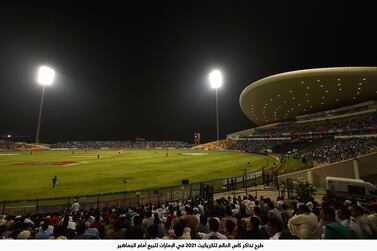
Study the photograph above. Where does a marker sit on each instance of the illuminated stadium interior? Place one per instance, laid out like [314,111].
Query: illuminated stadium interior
[284,96]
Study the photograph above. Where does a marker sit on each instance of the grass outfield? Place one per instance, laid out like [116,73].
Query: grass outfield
[141,168]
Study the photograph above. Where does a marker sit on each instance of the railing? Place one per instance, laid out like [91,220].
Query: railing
[133,197]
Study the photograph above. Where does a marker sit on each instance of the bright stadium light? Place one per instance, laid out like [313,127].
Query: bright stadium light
[45,78]
[216,80]
[46,75]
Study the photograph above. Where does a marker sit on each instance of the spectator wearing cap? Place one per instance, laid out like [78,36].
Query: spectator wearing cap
[304,225]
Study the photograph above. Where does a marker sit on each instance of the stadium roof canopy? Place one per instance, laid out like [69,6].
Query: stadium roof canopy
[284,96]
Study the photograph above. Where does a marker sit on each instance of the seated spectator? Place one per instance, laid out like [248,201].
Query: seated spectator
[228,216]
[191,220]
[372,218]
[80,233]
[99,226]
[275,228]
[361,219]
[90,230]
[25,234]
[214,231]
[230,232]
[186,233]
[118,231]
[253,231]
[304,225]
[179,228]
[58,235]
[273,212]
[153,232]
[202,227]
[344,216]
[135,231]
[45,231]
[333,229]
[286,214]
[160,226]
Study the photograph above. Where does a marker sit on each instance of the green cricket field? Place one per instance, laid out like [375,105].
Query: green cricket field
[28,176]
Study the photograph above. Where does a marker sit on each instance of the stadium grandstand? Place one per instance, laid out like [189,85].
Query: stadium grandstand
[138,144]
[320,116]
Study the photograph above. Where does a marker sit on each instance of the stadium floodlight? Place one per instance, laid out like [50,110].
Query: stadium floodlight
[216,80]
[45,78]
[46,75]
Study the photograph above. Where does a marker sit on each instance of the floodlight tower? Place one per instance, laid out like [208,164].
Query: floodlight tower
[216,80]
[45,78]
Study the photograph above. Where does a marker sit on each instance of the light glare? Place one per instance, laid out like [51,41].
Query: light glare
[46,75]
[215,79]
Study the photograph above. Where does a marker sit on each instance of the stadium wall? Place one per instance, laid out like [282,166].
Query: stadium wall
[364,167]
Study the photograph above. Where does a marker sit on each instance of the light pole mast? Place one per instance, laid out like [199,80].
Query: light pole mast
[45,77]
[216,80]
[217,117]
[40,116]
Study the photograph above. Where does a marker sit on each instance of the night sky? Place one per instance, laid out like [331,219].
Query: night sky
[126,71]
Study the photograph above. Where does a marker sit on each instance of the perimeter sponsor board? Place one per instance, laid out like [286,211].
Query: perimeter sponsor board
[194,154]
[59,163]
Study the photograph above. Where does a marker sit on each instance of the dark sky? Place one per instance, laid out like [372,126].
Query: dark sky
[127,71]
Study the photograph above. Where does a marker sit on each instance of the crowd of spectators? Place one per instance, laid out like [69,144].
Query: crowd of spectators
[340,149]
[318,152]
[7,145]
[366,122]
[217,145]
[258,146]
[232,218]
[140,144]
